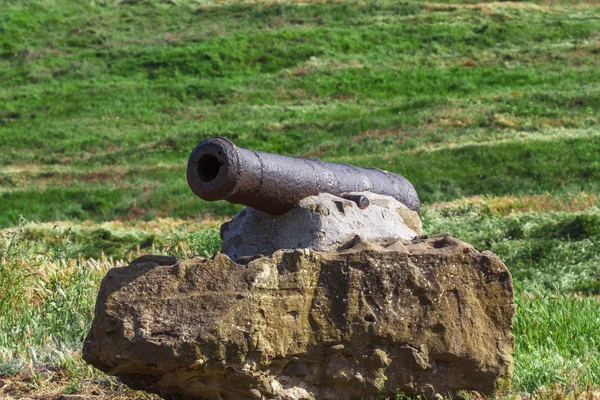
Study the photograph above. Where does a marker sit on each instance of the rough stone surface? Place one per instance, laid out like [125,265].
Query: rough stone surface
[427,316]
[323,222]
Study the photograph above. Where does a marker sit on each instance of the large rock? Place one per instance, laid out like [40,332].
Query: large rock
[426,316]
[323,222]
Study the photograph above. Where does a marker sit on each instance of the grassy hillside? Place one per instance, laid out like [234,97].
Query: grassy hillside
[491,109]
[101,102]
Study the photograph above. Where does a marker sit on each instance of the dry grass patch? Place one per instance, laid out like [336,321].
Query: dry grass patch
[506,135]
[41,177]
[158,225]
[505,205]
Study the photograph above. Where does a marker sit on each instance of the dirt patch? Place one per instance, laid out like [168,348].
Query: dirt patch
[52,383]
[398,132]
[486,8]
[590,53]
[492,8]
[316,64]
[44,176]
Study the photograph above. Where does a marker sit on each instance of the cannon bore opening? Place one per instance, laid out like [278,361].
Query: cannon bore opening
[208,168]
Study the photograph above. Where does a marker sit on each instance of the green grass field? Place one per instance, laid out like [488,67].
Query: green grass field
[491,109]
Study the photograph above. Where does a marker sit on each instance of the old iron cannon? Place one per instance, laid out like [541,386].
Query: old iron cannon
[219,170]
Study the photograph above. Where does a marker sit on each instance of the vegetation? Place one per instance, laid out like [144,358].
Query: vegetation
[103,101]
[492,110]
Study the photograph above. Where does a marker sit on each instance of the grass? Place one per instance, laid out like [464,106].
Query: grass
[50,288]
[556,250]
[492,110]
[557,340]
[113,97]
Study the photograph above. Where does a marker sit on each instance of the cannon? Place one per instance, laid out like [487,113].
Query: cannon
[219,170]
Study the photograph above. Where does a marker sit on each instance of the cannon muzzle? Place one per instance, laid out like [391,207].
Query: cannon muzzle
[219,170]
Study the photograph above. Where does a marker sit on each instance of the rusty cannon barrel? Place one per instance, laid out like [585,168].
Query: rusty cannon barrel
[219,170]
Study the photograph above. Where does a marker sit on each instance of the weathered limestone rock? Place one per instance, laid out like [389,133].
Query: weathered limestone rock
[426,316]
[323,222]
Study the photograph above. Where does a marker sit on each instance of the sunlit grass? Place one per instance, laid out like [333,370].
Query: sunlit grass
[47,298]
[558,340]
[101,104]
[50,291]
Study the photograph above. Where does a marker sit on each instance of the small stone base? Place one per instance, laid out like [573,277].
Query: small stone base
[324,222]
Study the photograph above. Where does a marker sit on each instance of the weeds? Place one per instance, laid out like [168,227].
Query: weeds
[557,250]
[48,299]
[557,340]
[556,327]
